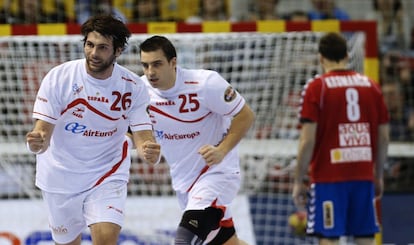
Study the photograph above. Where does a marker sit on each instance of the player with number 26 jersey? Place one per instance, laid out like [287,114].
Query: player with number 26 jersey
[85,112]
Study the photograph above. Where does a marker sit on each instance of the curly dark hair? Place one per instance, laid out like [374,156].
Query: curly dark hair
[108,26]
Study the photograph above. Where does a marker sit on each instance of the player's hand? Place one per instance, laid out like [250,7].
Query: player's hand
[299,195]
[36,142]
[211,154]
[151,152]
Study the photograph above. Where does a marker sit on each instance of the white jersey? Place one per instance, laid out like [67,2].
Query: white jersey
[91,118]
[195,112]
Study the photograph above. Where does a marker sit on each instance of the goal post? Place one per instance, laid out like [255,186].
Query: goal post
[267,61]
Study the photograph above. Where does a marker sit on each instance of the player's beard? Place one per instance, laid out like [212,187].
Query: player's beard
[101,66]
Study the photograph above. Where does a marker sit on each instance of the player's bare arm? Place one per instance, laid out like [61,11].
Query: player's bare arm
[38,139]
[381,158]
[306,145]
[238,129]
[148,149]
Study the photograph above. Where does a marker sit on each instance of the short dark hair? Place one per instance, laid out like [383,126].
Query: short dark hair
[333,46]
[108,26]
[155,43]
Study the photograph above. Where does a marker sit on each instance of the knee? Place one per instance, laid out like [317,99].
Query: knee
[224,236]
[201,222]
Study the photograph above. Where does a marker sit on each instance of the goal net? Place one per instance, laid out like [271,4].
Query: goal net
[268,69]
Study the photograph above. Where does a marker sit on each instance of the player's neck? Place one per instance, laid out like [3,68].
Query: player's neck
[100,74]
[334,66]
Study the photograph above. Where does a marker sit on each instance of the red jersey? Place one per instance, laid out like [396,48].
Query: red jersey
[348,108]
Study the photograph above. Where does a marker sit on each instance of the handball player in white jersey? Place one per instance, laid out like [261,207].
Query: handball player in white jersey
[83,110]
[198,120]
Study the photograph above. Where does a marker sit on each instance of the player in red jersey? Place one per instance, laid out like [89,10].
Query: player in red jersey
[343,145]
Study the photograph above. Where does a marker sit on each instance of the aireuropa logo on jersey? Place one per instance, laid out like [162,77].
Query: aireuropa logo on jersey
[159,134]
[77,128]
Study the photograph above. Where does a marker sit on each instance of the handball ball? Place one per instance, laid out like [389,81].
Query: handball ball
[297,222]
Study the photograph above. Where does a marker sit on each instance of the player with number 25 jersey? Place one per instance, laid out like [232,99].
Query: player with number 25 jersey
[198,120]
[182,117]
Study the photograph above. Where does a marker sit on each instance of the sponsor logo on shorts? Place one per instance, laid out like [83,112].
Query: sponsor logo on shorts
[328,215]
[193,222]
[116,209]
[59,229]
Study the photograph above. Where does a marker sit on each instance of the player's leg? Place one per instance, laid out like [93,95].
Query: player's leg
[205,205]
[233,240]
[329,241]
[226,236]
[105,233]
[183,234]
[188,234]
[195,225]
[227,232]
[65,216]
[104,211]
[241,242]
[77,241]
[364,240]
[363,222]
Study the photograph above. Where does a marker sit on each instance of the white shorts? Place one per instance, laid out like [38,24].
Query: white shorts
[219,189]
[71,214]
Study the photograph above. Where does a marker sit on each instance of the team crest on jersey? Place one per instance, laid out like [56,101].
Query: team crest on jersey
[76,89]
[229,94]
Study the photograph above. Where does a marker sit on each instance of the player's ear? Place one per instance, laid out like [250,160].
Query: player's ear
[118,52]
[173,61]
[321,59]
[347,57]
